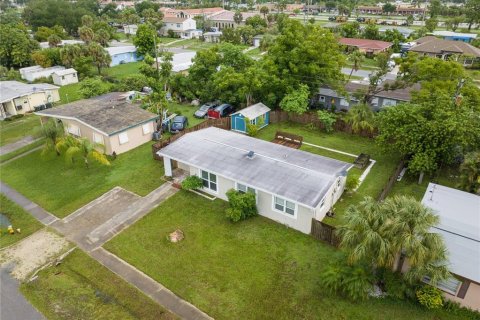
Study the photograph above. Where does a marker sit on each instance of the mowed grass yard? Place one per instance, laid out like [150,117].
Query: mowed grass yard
[376,179]
[14,130]
[61,188]
[19,219]
[254,269]
[81,288]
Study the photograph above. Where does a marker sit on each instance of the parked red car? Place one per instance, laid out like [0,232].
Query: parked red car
[221,111]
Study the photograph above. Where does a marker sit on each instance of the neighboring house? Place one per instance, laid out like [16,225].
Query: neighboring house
[45,45]
[444,49]
[455,36]
[258,114]
[213,37]
[406,32]
[224,19]
[64,77]
[331,99]
[181,61]
[459,226]
[182,27]
[20,98]
[402,11]
[191,13]
[257,40]
[130,29]
[36,72]
[111,120]
[367,46]
[291,186]
[124,54]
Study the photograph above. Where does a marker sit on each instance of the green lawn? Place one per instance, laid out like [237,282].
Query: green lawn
[62,188]
[81,288]
[123,70]
[255,269]
[21,150]
[19,219]
[376,179]
[165,40]
[14,130]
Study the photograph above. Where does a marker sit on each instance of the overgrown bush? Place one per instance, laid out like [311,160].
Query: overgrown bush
[352,182]
[395,286]
[192,182]
[429,297]
[354,281]
[242,205]
[456,309]
[133,82]
[91,87]
[328,119]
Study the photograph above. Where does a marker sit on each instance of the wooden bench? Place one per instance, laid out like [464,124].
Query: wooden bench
[288,139]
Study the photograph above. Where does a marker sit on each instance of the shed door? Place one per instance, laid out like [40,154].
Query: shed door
[240,124]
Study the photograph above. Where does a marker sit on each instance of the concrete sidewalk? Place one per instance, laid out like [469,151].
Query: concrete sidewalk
[17,145]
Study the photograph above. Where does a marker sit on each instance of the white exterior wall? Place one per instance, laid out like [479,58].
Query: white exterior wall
[30,101]
[178,27]
[331,197]
[65,79]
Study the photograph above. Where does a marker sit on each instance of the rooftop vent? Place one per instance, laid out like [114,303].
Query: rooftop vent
[250,154]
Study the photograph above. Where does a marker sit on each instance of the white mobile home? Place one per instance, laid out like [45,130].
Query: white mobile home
[292,186]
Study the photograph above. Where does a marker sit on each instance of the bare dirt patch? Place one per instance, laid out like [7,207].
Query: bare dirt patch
[33,252]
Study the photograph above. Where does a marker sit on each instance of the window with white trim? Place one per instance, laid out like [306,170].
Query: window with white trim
[244,189]
[209,180]
[123,138]
[283,205]
[146,128]
[451,285]
[97,138]
[73,129]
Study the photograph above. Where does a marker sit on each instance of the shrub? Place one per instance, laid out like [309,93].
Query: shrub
[192,182]
[328,119]
[91,87]
[456,309]
[133,82]
[352,182]
[242,205]
[429,297]
[396,287]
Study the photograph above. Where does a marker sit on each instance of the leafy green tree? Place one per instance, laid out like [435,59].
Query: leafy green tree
[230,35]
[327,119]
[361,118]
[15,46]
[83,65]
[153,17]
[10,16]
[389,8]
[43,33]
[356,58]
[454,22]
[91,87]
[470,173]
[472,12]
[129,16]
[87,21]
[141,7]
[144,40]
[133,82]
[86,34]
[429,133]
[264,10]
[350,30]
[53,132]
[100,57]
[102,36]
[246,34]
[238,17]
[257,22]
[110,10]
[69,53]
[371,32]
[241,205]
[410,20]
[296,101]
[54,41]
[435,8]
[47,57]
[395,37]
[431,24]
[12,74]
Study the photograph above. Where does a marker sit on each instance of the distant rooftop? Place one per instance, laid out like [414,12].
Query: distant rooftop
[253,111]
[119,50]
[109,113]
[444,33]
[459,226]
[65,72]
[14,89]
[365,43]
[431,44]
[299,176]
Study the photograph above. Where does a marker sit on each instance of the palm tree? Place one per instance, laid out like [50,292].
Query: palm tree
[361,117]
[84,148]
[470,173]
[53,132]
[264,10]
[357,58]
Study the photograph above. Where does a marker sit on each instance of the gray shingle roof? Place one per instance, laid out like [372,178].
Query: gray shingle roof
[254,110]
[431,44]
[297,175]
[13,89]
[109,113]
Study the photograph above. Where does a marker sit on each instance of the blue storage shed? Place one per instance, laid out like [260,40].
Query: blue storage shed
[256,114]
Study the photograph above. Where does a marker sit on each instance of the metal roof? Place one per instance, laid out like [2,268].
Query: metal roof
[254,110]
[459,226]
[444,33]
[13,89]
[119,50]
[65,72]
[109,113]
[296,175]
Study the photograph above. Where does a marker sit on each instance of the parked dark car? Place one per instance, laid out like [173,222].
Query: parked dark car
[360,19]
[203,110]
[221,111]
[331,18]
[179,123]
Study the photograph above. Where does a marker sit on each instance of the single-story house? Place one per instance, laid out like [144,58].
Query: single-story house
[406,32]
[130,29]
[111,120]
[225,19]
[20,98]
[257,40]
[459,226]
[123,54]
[181,61]
[291,186]
[36,72]
[455,36]
[366,46]
[444,49]
[185,28]
[64,77]
[213,36]
[330,98]
[258,114]
[399,10]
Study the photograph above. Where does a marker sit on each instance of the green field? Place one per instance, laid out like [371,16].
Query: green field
[19,219]
[14,130]
[61,188]
[254,269]
[81,288]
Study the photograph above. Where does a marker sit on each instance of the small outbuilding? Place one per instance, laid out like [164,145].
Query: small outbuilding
[64,77]
[258,114]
